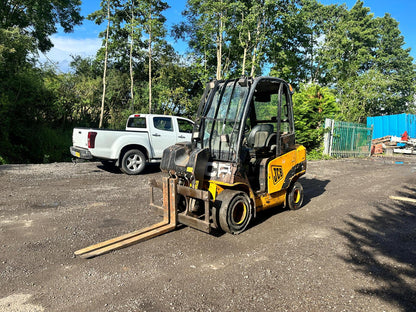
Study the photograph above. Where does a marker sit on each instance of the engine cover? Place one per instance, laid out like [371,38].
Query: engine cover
[184,160]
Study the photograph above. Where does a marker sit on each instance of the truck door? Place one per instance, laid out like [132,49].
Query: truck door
[162,134]
[185,128]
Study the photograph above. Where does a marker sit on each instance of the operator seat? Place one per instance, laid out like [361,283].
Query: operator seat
[258,136]
[258,141]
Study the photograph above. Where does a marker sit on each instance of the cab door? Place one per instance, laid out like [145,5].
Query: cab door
[162,134]
[185,128]
[285,123]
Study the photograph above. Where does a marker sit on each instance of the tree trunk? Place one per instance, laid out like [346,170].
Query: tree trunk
[150,65]
[243,70]
[105,65]
[246,45]
[131,59]
[219,48]
[255,49]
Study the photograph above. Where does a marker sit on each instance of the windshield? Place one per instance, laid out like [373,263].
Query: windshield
[221,122]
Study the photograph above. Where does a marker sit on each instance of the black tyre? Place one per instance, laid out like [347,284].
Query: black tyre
[295,196]
[232,212]
[133,162]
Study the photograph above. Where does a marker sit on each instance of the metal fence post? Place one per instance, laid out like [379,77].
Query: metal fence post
[327,135]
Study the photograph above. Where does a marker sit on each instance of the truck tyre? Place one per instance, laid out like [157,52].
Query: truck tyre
[133,162]
[294,196]
[233,211]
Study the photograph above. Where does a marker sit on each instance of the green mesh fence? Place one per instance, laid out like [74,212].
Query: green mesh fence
[347,139]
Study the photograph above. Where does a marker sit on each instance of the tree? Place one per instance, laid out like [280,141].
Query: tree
[177,87]
[363,58]
[105,64]
[207,27]
[293,37]
[397,67]
[249,27]
[133,25]
[153,24]
[29,120]
[312,104]
[39,20]
[348,47]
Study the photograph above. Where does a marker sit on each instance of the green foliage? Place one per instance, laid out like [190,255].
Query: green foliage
[30,127]
[39,19]
[346,64]
[363,58]
[317,154]
[311,105]
[290,39]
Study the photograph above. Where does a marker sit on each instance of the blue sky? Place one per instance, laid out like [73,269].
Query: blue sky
[84,40]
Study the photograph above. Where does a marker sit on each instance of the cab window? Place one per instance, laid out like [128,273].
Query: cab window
[163,123]
[137,122]
[185,126]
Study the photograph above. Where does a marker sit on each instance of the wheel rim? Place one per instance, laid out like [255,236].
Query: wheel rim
[296,196]
[134,162]
[239,213]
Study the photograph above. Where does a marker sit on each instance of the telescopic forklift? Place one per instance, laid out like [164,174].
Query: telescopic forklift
[243,159]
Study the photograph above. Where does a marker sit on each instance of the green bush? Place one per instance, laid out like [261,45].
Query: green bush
[312,104]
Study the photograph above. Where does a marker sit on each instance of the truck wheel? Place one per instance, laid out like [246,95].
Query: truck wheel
[133,162]
[294,196]
[233,212]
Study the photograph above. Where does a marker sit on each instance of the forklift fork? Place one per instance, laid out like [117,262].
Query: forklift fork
[168,224]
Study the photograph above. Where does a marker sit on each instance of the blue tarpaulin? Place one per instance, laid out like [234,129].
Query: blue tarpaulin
[394,125]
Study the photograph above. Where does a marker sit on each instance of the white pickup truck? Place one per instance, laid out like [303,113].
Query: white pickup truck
[143,141]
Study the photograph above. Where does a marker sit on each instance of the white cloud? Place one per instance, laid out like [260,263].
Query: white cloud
[87,46]
[64,47]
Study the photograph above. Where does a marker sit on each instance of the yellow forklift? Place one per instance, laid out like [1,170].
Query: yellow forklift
[242,159]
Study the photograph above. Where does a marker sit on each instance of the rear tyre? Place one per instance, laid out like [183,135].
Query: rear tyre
[133,162]
[295,196]
[233,211]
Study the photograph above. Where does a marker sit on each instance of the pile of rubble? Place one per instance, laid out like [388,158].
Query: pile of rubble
[392,144]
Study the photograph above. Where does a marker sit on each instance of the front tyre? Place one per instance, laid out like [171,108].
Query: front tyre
[295,196]
[133,162]
[233,212]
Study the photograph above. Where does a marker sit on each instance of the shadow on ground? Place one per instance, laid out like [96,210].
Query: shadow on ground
[383,247]
[109,167]
[312,188]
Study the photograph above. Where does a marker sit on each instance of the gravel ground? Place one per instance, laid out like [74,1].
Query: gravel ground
[349,248]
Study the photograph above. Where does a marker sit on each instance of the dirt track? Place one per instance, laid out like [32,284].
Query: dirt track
[350,248]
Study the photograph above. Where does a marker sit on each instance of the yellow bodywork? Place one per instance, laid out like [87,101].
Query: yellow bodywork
[281,171]
[280,167]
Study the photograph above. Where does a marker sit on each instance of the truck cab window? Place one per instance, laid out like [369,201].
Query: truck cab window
[137,122]
[163,123]
[185,126]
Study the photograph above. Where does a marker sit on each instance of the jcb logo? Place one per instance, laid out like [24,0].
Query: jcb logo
[277,173]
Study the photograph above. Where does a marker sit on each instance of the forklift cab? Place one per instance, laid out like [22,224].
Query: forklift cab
[246,122]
